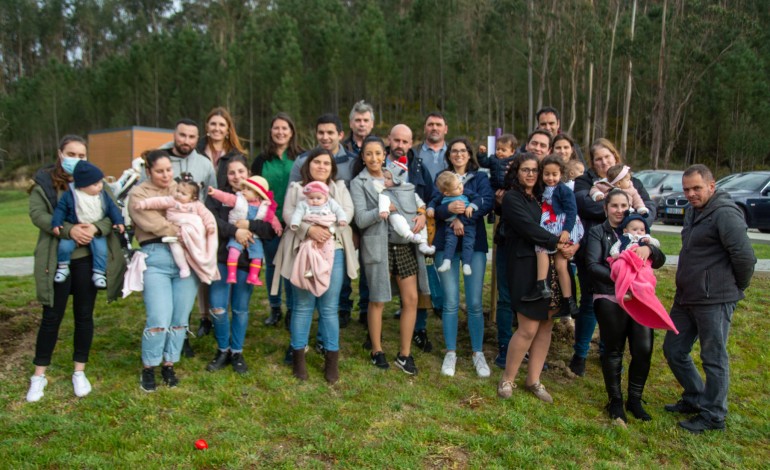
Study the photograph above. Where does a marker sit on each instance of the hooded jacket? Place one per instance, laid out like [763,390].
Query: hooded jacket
[717,261]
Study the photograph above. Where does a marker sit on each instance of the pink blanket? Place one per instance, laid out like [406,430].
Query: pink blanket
[315,259]
[632,274]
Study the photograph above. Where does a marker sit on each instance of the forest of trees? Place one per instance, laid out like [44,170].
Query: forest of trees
[670,81]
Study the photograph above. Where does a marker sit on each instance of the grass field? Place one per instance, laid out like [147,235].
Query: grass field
[370,419]
[17,233]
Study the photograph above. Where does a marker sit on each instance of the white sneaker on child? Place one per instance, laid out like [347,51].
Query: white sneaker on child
[62,273]
[81,384]
[448,367]
[444,266]
[308,274]
[416,238]
[99,280]
[426,249]
[37,384]
[480,362]
[467,269]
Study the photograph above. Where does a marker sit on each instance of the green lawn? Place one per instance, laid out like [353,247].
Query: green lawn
[370,418]
[672,244]
[17,234]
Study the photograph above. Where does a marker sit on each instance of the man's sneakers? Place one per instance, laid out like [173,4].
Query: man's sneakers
[697,424]
[682,407]
[37,384]
[81,384]
[378,360]
[421,340]
[406,364]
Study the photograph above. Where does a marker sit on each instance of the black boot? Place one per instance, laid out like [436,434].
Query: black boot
[344,317]
[287,320]
[275,316]
[205,327]
[634,403]
[187,350]
[578,365]
[572,307]
[539,291]
[611,367]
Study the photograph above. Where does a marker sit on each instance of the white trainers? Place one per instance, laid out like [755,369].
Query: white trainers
[62,273]
[37,384]
[448,367]
[480,362]
[99,280]
[81,384]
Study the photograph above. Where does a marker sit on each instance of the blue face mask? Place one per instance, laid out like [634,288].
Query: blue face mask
[68,164]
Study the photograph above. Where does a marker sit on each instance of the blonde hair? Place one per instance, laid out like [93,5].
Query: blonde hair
[446,181]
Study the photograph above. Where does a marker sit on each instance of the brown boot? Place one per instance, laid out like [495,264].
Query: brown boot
[300,368]
[331,371]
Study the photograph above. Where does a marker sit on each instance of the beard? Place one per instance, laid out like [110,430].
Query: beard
[183,150]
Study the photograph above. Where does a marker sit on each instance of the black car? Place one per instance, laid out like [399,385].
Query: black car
[750,191]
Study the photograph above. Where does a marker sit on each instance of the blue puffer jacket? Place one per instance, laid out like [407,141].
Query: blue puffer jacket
[476,182]
[498,167]
[65,209]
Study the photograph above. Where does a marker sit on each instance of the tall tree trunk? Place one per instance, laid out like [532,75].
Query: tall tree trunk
[530,96]
[609,71]
[627,103]
[587,137]
[658,111]
[441,65]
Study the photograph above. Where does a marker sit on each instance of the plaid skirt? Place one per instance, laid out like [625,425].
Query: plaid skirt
[402,260]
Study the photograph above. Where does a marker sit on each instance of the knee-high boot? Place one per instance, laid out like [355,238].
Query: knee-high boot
[634,403]
[611,368]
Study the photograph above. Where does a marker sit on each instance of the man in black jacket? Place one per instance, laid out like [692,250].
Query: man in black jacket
[715,267]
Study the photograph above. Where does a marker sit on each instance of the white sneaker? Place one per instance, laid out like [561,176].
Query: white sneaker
[170,239]
[99,280]
[81,384]
[467,269]
[480,362]
[445,266]
[36,385]
[448,367]
[426,249]
[62,273]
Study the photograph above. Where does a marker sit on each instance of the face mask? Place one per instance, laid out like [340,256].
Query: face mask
[68,164]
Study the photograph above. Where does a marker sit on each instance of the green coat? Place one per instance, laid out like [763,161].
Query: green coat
[42,200]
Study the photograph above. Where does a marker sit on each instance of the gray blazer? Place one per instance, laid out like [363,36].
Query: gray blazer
[375,234]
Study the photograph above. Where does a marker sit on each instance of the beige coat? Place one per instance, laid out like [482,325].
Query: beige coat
[287,249]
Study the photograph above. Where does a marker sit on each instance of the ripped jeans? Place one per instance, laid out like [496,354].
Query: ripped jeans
[168,300]
[230,333]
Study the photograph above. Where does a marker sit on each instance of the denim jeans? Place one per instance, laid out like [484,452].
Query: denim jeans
[98,248]
[271,249]
[504,310]
[230,333]
[254,250]
[585,323]
[83,292]
[474,285]
[168,300]
[305,302]
[711,325]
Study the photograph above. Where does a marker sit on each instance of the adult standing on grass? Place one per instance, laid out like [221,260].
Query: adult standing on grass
[231,333]
[220,144]
[603,155]
[385,254]
[168,298]
[49,184]
[521,216]
[615,325]
[715,268]
[319,166]
[463,164]
[274,164]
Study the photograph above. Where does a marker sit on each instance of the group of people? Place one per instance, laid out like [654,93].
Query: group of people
[394,216]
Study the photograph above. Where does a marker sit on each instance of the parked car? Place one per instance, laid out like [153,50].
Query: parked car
[660,182]
[750,191]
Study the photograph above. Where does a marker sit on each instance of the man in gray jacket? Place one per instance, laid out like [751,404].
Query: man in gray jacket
[185,159]
[715,267]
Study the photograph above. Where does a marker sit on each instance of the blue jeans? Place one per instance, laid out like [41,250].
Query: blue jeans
[230,334]
[255,250]
[305,302]
[271,249]
[585,323]
[468,240]
[474,284]
[98,247]
[710,324]
[168,300]
[504,310]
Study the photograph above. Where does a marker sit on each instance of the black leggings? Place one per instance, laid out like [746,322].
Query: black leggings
[615,325]
[83,292]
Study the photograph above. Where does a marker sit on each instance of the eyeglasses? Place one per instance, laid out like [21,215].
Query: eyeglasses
[459,152]
[528,171]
